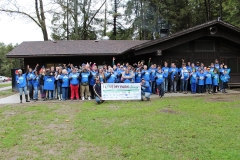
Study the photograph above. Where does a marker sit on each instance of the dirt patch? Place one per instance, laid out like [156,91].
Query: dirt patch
[167,110]
[222,98]
[114,107]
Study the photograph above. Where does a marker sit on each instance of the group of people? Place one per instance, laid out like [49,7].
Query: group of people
[85,81]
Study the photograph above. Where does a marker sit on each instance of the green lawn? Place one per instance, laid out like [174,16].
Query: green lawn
[6,93]
[5,85]
[170,128]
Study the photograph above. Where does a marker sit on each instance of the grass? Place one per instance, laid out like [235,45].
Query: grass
[6,93]
[5,85]
[179,128]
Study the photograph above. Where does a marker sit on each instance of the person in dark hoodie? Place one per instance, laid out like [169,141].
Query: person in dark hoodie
[97,91]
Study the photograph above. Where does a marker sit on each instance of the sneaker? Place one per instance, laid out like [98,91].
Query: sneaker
[83,98]
[147,99]
[89,98]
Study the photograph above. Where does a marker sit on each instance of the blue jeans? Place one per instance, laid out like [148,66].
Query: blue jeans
[23,89]
[174,86]
[30,88]
[181,85]
[165,83]
[59,90]
[35,96]
[153,87]
[97,99]
[64,93]
[160,88]
[184,85]
[193,87]
[50,94]
[146,94]
[42,91]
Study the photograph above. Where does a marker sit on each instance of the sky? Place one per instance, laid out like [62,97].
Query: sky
[17,29]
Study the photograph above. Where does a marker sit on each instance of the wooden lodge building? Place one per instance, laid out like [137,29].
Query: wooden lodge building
[204,43]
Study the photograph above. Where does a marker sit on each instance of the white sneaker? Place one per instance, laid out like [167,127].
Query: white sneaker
[83,98]
[89,98]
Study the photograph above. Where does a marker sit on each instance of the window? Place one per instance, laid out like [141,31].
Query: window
[204,45]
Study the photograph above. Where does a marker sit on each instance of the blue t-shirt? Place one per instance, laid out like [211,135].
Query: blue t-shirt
[160,78]
[85,77]
[194,78]
[74,80]
[22,82]
[201,78]
[65,80]
[112,78]
[165,71]
[146,87]
[215,79]
[35,81]
[30,78]
[127,80]
[208,78]
[225,78]
[146,75]
[49,82]
[173,71]
[138,76]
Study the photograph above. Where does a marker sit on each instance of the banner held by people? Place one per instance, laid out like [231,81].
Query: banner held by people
[121,91]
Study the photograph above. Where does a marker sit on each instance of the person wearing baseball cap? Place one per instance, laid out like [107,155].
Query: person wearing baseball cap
[145,87]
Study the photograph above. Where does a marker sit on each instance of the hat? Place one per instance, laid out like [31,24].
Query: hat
[143,79]
[197,62]
[19,70]
[76,67]
[83,64]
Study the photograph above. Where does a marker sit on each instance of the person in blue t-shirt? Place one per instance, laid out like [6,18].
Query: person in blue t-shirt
[64,78]
[74,84]
[30,74]
[145,87]
[35,85]
[159,76]
[138,76]
[208,81]
[127,77]
[201,78]
[21,80]
[48,83]
[111,77]
[215,81]
[225,78]
[193,81]
[165,70]
[85,75]
[152,70]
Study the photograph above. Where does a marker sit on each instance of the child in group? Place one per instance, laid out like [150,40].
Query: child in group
[208,82]
[201,78]
[215,77]
[64,78]
[225,78]
[193,81]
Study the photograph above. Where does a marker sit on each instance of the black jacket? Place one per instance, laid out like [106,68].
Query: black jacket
[97,90]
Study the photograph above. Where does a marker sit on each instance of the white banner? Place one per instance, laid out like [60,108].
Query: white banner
[121,91]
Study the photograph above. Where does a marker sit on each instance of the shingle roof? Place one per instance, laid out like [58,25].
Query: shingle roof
[185,31]
[71,48]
